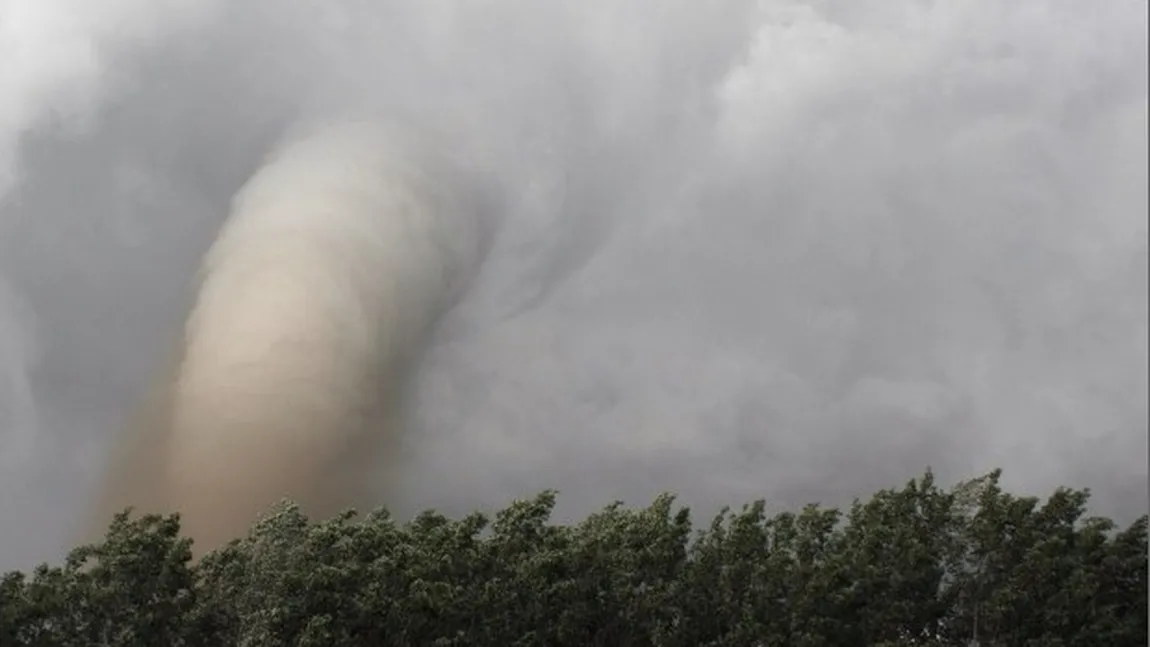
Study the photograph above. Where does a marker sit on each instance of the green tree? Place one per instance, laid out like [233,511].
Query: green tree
[919,565]
[136,588]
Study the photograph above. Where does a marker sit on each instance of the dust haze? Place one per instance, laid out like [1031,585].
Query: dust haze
[781,249]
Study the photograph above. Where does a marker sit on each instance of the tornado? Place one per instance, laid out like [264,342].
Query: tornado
[336,261]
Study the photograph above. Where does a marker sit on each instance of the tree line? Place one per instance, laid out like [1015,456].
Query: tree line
[916,565]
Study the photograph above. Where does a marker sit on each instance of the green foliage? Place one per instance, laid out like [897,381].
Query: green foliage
[918,565]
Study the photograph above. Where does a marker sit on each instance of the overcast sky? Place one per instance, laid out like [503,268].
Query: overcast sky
[785,250]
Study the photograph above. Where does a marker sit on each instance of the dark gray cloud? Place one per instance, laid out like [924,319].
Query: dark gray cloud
[794,250]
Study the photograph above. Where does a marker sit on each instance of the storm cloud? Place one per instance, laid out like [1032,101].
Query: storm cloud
[780,249]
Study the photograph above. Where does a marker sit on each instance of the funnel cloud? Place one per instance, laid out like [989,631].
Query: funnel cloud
[789,249]
[337,259]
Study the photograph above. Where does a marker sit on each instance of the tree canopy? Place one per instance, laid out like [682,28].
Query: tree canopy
[917,565]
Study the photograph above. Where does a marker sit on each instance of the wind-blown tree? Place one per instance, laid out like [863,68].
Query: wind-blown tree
[920,565]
